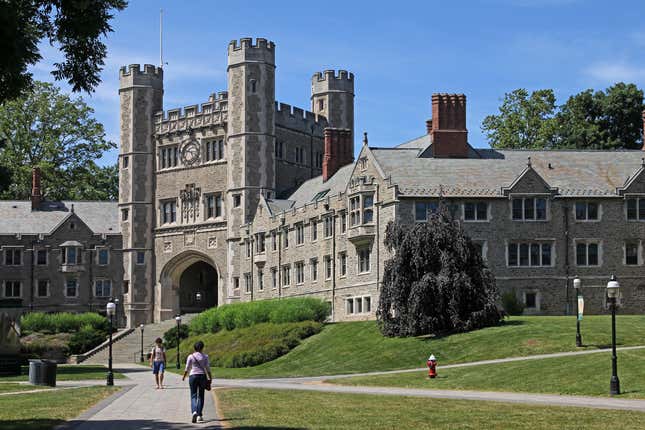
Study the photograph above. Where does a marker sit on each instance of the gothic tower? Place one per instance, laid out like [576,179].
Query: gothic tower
[250,134]
[141,95]
[333,97]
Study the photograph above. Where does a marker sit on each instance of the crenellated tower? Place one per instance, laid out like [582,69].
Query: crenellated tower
[250,133]
[141,96]
[332,96]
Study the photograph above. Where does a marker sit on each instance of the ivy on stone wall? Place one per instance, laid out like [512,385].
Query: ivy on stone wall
[436,281]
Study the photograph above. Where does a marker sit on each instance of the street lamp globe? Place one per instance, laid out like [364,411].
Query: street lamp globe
[141,327]
[178,319]
[612,287]
[198,297]
[110,308]
[577,283]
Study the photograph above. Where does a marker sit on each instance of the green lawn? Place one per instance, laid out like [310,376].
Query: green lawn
[311,410]
[68,372]
[583,375]
[15,387]
[359,347]
[40,411]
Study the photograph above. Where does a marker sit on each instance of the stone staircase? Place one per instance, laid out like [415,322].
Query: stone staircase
[128,348]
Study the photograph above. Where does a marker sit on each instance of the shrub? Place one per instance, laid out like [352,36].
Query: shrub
[85,339]
[63,322]
[511,304]
[240,315]
[170,336]
[251,346]
[38,345]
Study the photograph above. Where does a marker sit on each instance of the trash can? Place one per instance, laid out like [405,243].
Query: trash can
[42,372]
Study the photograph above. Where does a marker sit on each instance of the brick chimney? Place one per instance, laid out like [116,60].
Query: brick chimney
[449,134]
[429,126]
[338,151]
[36,196]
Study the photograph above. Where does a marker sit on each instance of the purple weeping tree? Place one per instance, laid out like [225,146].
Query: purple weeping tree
[436,281]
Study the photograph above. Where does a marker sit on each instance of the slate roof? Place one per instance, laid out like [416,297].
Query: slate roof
[336,184]
[17,216]
[278,205]
[574,173]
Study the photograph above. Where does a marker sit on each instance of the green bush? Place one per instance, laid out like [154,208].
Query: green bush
[85,339]
[63,322]
[511,305]
[38,345]
[250,346]
[170,337]
[240,315]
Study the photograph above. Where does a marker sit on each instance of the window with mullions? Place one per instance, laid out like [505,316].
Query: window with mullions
[286,275]
[364,260]
[314,269]
[528,254]
[71,288]
[12,256]
[587,254]
[168,157]
[12,289]
[632,253]
[103,288]
[475,211]
[168,212]
[342,264]
[300,234]
[529,209]
[587,211]
[213,206]
[214,150]
[361,209]
[328,224]
[42,289]
[314,230]
[422,210]
[300,272]
[41,257]
[72,255]
[635,209]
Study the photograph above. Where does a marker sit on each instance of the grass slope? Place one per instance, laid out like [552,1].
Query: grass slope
[584,375]
[246,409]
[359,347]
[40,411]
[16,387]
[71,372]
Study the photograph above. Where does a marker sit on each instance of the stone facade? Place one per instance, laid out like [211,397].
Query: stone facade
[242,198]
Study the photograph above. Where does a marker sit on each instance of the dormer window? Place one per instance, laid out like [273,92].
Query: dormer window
[529,209]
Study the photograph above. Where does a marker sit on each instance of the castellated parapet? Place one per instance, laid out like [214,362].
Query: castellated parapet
[329,81]
[246,51]
[299,119]
[212,112]
[133,75]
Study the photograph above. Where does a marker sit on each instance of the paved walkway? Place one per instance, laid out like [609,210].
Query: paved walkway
[140,406]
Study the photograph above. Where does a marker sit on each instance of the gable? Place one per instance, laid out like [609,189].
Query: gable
[529,182]
[635,184]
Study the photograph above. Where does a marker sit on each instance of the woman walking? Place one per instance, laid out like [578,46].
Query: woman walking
[158,361]
[199,371]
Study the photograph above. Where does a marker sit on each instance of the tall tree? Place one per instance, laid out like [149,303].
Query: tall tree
[524,121]
[76,26]
[48,129]
[436,281]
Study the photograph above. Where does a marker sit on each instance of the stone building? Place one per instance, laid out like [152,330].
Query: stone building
[242,198]
[59,256]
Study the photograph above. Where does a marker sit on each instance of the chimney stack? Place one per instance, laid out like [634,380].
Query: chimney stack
[36,196]
[338,151]
[449,134]
[429,126]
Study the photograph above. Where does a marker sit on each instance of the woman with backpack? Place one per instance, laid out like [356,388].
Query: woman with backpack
[199,379]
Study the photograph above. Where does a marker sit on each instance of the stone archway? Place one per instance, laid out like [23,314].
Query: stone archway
[197,288]
[188,283]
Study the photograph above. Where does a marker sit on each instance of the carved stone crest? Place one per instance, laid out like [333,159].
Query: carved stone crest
[190,197]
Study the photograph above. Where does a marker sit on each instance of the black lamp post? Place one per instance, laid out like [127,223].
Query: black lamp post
[612,294]
[116,313]
[577,283]
[141,328]
[110,309]
[178,319]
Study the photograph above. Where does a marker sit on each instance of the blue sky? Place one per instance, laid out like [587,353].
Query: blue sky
[400,52]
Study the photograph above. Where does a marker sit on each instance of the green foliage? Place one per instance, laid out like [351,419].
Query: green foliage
[436,281]
[77,28]
[251,346]
[170,336]
[524,121]
[85,339]
[63,322]
[511,305]
[39,345]
[609,119]
[50,130]
[239,315]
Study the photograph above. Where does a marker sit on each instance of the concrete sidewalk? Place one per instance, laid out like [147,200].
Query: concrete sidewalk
[141,406]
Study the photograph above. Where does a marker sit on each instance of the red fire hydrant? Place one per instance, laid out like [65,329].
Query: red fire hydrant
[432,367]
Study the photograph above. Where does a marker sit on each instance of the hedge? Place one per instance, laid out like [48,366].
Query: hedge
[63,322]
[250,346]
[246,314]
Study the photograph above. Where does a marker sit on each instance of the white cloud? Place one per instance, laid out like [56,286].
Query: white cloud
[611,72]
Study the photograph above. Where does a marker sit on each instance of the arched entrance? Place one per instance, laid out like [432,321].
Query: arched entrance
[188,283]
[197,288]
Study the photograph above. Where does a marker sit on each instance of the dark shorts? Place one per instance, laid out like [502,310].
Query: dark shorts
[158,366]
